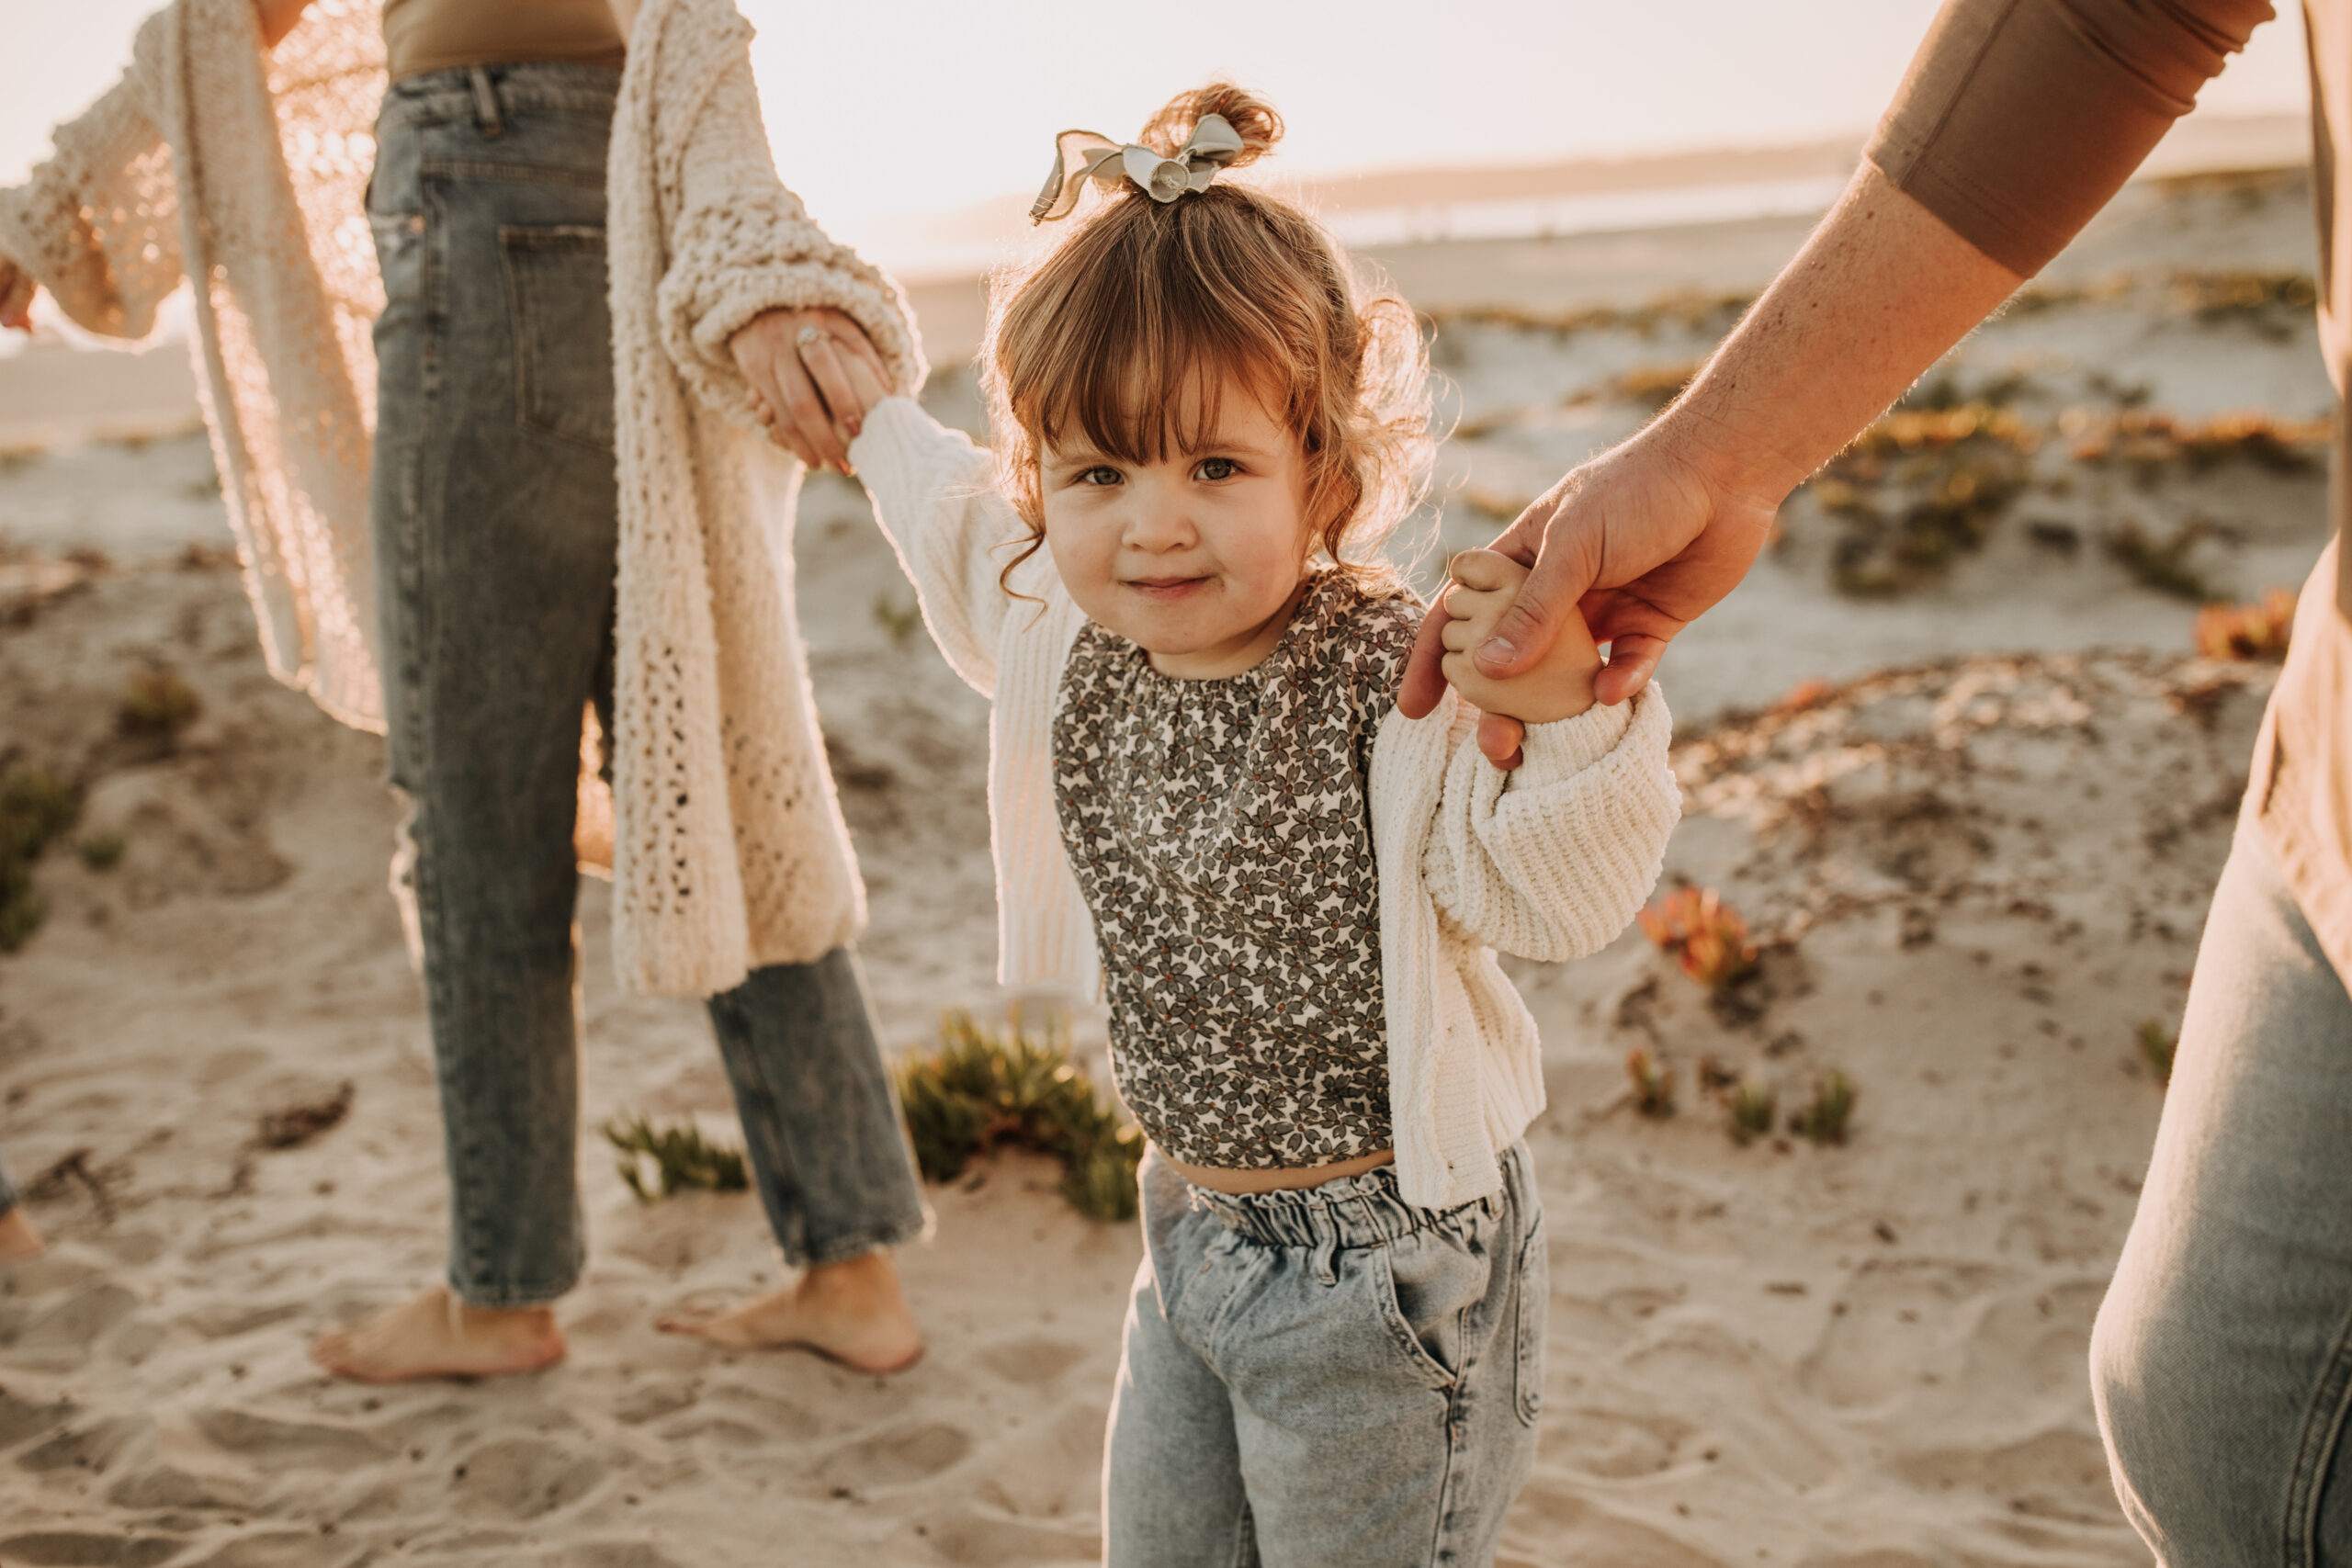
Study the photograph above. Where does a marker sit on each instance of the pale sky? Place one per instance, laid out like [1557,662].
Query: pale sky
[886,108]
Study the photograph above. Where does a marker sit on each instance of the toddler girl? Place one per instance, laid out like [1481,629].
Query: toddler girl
[1206,802]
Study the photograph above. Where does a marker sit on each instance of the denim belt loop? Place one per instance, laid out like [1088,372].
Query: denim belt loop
[486,116]
[1326,1244]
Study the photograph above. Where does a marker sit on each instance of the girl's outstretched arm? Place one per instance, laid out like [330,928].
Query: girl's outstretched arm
[935,498]
[1551,860]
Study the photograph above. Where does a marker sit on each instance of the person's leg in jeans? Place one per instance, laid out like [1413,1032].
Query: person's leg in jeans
[2221,1362]
[18,1240]
[831,1164]
[495,520]
[496,523]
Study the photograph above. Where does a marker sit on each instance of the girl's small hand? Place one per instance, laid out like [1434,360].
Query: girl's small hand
[1484,587]
[802,390]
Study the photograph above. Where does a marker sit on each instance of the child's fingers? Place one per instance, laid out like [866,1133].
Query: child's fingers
[1486,571]
[1460,636]
[1469,605]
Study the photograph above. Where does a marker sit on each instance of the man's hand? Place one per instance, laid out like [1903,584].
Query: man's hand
[16,297]
[802,390]
[1559,686]
[1627,549]
[1649,535]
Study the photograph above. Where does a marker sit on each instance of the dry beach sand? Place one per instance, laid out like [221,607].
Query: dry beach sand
[1978,851]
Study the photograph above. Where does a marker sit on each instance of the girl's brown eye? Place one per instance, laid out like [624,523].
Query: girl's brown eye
[1219,468]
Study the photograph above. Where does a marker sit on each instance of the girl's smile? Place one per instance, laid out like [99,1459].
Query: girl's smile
[1195,555]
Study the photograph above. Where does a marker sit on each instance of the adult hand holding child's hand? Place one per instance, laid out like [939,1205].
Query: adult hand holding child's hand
[798,363]
[1485,584]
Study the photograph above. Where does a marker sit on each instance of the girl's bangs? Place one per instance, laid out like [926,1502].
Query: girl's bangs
[1149,380]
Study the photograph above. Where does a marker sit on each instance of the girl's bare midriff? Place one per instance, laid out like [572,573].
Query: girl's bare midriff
[1248,1181]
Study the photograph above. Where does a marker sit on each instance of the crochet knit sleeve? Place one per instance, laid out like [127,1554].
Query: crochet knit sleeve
[740,244]
[936,500]
[98,223]
[1551,860]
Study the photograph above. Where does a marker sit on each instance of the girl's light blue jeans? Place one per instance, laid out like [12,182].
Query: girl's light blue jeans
[1327,1378]
[495,516]
[2221,1362]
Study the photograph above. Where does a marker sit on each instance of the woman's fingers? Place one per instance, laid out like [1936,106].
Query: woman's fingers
[805,413]
[824,364]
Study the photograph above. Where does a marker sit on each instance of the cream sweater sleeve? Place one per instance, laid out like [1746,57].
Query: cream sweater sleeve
[98,223]
[1551,860]
[935,498]
[738,242]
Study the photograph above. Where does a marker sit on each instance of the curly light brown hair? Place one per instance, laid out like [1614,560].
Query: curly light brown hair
[1128,331]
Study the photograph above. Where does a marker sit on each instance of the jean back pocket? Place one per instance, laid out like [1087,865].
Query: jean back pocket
[563,334]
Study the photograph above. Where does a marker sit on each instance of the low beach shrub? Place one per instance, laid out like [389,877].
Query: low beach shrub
[101,851]
[2158,1046]
[1703,934]
[2163,564]
[157,703]
[656,1162]
[2246,631]
[984,1089]
[1653,1084]
[36,806]
[1823,1118]
[900,621]
[1753,1110]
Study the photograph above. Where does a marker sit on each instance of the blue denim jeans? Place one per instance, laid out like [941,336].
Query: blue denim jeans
[1327,1378]
[2221,1362]
[496,520]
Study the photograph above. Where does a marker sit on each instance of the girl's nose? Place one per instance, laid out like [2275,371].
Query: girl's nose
[1160,523]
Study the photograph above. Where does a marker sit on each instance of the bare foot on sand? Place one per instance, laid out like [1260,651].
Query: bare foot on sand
[436,1336]
[852,1311]
[19,1241]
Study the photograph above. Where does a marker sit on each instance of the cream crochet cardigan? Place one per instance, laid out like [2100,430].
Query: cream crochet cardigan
[1549,861]
[243,169]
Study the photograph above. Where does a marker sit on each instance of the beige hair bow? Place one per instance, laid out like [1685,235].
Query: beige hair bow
[1082,156]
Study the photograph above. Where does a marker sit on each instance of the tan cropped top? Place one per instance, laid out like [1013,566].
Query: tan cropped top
[431,35]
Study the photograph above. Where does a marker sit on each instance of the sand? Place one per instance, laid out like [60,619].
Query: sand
[1978,855]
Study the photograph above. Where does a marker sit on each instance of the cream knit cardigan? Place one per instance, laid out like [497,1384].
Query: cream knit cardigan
[1549,861]
[241,168]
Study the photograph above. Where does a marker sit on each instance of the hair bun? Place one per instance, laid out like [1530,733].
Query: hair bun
[1254,119]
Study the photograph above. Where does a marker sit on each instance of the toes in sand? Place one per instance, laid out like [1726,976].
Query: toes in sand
[433,1334]
[851,1313]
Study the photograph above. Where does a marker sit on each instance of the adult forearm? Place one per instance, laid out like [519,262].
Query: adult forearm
[1878,294]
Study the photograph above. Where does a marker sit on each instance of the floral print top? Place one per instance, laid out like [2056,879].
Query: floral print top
[1221,832]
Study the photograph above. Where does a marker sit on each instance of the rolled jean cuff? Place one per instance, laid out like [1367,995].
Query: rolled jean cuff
[500,1297]
[841,1250]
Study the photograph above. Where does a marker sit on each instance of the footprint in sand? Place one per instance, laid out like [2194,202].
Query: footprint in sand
[71,1549]
[607,1554]
[22,1418]
[981,1538]
[92,1446]
[522,1478]
[895,1457]
[63,1335]
[1031,1361]
[1614,1445]
[280,1548]
[289,1444]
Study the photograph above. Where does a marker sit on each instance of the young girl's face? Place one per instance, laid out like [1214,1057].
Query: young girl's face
[1197,557]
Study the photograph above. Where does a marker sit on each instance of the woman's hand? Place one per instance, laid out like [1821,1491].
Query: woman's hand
[802,388]
[1485,584]
[17,292]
